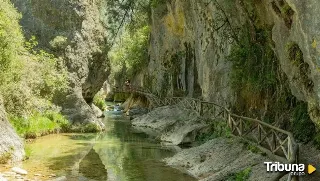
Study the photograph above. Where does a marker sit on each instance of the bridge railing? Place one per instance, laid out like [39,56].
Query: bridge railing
[131,89]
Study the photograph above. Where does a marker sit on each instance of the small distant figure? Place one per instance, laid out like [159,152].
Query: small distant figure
[127,85]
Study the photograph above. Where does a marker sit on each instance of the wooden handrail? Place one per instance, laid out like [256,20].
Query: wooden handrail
[238,125]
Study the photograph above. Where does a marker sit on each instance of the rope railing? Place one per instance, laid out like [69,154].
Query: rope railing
[276,142]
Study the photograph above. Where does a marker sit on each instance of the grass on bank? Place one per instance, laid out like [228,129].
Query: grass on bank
[49,122]
[39,124]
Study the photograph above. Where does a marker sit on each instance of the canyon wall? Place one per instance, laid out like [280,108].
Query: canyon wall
[75,32]
[192,41]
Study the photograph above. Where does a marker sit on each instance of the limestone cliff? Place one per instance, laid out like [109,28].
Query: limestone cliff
[74,31]
[192,41]
[11,147]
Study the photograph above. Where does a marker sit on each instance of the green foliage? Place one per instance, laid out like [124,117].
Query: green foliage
[121,97]
[262,89]
[131,52]
[91,128]
[156,3]
[295,55]
[303,128]
[217,129]
[129,27]
[254,63]
[6,156]
[59,42]
[31,44]
[39,124]
[126,13]
[241,176]
[28,152]
[11,38]
[252,147]
[29,78]
[87,128]
[99,101]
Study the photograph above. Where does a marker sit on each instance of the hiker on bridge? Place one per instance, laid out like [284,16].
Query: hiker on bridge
[127,85]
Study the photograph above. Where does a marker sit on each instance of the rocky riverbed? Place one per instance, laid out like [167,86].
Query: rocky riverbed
[19,174]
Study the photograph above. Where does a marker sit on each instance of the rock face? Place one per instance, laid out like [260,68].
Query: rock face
[74,31]
[186,55]
[191,40]
[11,146]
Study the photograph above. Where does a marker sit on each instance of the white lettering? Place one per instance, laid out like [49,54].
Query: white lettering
[301,168]
[268,165]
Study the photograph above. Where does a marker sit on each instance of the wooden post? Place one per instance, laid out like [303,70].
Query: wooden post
[259,133]
[274,141]
[241,126]
[201,109]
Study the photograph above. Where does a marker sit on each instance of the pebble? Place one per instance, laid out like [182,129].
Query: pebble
[63,178]
[9,174]
[3,179]
[19,177]
[37,174]
[19,171]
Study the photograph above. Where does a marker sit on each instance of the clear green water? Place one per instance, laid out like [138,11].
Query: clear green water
[118,154]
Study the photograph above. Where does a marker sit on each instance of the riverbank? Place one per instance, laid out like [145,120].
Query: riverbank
[118,153]
[223,157]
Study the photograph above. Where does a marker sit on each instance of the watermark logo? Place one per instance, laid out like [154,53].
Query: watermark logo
[311,169]
[294,169]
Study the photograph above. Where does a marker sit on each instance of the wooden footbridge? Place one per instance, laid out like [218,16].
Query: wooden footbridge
[279,144]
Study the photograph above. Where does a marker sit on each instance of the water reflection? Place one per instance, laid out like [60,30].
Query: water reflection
[91,167]
[114,155]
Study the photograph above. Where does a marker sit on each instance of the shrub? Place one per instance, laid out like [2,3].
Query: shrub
[303,128]
[218,128]
[59,43]
[241,176]
[99,101]
[11,39]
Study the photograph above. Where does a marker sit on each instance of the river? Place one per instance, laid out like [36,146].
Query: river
[118,154]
